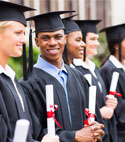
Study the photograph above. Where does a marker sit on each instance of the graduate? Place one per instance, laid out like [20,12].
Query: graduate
[116,44]
[69,85]
[13,105]
[88,68]
[74,50]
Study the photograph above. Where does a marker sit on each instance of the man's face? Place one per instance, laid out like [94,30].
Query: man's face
[51,45]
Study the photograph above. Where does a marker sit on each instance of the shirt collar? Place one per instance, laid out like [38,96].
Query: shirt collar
[49,68]
[116,62]
[79,62]
[7,71]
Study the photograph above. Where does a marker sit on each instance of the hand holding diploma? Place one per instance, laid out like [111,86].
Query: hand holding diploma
[111,101]
[21,130]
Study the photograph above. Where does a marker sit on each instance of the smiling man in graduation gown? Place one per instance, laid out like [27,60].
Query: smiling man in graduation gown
[116,63]
[69,85]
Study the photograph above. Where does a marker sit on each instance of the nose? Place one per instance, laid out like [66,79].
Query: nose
[52,42]
[23,39]
[97,43]
[83,44]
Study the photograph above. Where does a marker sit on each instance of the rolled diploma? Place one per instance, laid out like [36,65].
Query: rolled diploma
[92,101]
[21,130]
[49,102]
[114,82]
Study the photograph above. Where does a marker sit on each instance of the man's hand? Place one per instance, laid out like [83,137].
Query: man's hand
[90,133]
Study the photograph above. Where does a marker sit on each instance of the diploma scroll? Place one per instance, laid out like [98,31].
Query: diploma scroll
[114,82]
[92,102]
[49,103]
[21,130]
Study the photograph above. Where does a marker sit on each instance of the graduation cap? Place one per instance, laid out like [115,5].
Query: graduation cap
[70,25]
[115,35]
[87,26]
[46,22]
[13,12]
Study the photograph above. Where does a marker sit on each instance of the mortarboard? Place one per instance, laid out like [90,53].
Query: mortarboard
[13,12]
[70,25]
[115,34]
[87,26]
[48,22]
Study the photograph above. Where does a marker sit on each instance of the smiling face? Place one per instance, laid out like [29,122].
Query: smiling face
[75,45]
[11,40]
[51,46]
[92,43]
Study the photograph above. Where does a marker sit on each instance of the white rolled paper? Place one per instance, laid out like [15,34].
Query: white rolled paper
[50,102]
[92,101]
[114,81]
[21,130]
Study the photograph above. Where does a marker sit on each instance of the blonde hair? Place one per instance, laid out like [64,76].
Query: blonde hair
[5,24]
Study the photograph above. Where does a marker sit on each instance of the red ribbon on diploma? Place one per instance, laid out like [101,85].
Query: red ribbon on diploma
[115,93]
[51,114]
[89,115]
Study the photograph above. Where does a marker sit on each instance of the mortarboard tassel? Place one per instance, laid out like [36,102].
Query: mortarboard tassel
[120,58]
[25,77]
[30,52]
[84,58]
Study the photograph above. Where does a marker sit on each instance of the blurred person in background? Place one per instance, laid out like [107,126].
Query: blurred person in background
[116,63]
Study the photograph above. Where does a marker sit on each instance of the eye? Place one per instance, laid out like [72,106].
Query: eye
[45,38]
[18,33]
[78,39]
[58,37]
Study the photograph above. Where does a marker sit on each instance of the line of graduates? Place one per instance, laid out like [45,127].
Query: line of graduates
[65,46]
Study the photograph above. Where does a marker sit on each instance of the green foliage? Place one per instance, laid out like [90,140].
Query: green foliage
[17,63]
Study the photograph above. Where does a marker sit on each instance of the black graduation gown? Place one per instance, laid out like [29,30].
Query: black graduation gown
[100,97]
[11,109]
[106,71]
[76,87]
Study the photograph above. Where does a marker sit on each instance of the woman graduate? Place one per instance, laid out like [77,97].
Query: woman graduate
[106,104]
[116,62]
[13,104]
[88,68]
[74,50]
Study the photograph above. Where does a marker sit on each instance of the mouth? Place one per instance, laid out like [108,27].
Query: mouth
[81,51]
[19,47]
[53,51]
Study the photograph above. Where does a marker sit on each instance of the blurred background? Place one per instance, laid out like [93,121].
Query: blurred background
[111,12]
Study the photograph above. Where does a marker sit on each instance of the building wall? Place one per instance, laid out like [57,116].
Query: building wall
[110,11]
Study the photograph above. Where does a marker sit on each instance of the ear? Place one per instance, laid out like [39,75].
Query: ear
[116,47]
[37,41]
